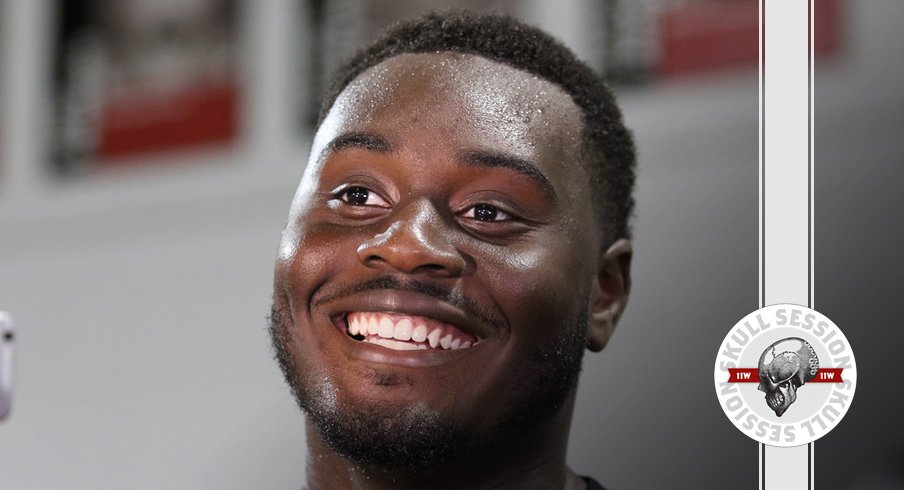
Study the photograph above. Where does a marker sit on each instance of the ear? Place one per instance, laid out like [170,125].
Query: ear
[609,293]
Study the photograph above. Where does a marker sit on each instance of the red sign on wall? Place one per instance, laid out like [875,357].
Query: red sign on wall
[135,77]
[715,34]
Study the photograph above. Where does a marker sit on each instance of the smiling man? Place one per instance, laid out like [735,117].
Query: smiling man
[459,238]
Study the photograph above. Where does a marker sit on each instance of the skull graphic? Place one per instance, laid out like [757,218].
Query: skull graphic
[784,367]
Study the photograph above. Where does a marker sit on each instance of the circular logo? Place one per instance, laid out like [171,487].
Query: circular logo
[785,375]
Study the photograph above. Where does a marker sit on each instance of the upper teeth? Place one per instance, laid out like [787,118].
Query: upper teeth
[405,332]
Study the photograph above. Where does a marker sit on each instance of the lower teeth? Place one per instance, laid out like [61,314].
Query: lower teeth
[403,344]
[396,344]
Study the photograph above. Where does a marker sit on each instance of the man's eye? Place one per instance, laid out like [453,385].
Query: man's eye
[486,212]
[361,196]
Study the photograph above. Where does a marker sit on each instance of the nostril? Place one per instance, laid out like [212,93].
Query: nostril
[409,249]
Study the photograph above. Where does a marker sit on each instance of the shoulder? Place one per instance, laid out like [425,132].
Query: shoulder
[593,484]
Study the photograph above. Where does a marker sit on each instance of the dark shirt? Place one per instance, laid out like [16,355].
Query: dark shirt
[592,484]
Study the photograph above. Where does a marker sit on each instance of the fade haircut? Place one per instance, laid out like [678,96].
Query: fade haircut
[608,146]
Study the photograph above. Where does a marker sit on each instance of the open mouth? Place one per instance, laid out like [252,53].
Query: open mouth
[399,331]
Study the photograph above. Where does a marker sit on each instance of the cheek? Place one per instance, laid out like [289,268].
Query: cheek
[540,288]
[308,255]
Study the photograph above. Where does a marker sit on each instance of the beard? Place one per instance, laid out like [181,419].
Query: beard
[415,437]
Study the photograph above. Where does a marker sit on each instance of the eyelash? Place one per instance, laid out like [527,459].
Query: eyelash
[343,195]
[474,210]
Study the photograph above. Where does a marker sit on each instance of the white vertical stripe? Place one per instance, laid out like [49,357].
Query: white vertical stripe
[812,195]
[785,191]
[812,165]
[786,199]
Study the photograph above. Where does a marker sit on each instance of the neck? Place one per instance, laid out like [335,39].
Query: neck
[533,459]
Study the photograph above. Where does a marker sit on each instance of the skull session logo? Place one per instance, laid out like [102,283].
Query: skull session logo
[785,375]
[780,375]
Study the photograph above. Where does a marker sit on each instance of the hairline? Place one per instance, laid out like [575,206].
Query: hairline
[607,146]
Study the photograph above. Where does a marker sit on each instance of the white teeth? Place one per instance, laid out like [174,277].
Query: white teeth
[403,329]
[419,334]
[392,344]
[386,328]
[446,341]
[406,333]
[433,338]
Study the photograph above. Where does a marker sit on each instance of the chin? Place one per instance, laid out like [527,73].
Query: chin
[420,410]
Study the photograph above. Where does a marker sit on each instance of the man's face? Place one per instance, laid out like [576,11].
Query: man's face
[446,198]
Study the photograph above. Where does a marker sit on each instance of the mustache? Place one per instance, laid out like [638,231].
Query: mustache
[448,295]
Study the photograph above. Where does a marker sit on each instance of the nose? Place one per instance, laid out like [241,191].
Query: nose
[417,241]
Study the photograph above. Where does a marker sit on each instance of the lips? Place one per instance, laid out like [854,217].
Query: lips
[399,331]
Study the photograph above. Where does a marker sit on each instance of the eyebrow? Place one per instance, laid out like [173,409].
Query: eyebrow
[472,158]
[491,159]
[363,141]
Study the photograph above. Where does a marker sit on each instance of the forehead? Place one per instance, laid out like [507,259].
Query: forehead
[436,100]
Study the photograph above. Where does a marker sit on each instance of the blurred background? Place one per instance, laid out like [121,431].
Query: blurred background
[149,150]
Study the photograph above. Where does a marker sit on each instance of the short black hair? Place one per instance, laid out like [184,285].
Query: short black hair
[608,144]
